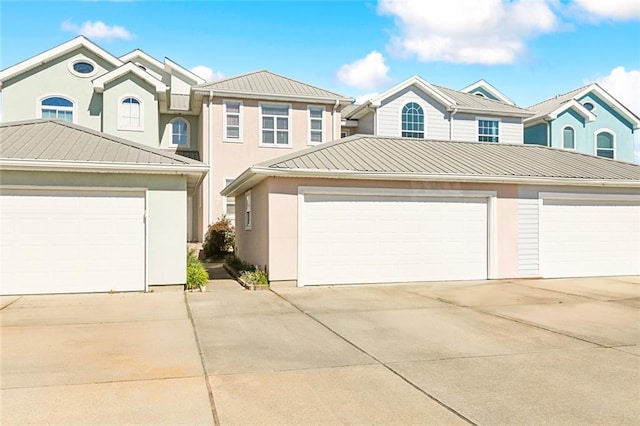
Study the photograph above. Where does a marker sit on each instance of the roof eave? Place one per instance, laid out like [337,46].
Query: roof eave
[255,174]
[476,111]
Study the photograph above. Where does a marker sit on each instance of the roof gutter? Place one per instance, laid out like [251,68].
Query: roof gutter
[89,166]
[270,96]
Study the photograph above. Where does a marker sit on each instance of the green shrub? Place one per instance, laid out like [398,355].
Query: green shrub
[197,275]
[237,264]
[219,239]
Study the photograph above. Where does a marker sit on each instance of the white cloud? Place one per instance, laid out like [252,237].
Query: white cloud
[207,73]
[624,86]
[98,30]
[366,97]
[610,9]
[366,73]
[467,31]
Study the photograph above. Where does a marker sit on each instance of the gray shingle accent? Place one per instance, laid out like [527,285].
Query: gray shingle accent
[414,157]
[50,140]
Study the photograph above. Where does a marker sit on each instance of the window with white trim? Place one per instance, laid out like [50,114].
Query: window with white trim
[275,125]
[180,132]
[412,121]
[344,133]
[247,210]
[233,121]
[605,144]
[130,114]
[57,108]
[488,130]
[568,138]
[229,203]
[316,124]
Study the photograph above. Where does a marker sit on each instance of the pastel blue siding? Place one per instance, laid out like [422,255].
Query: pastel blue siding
[484,92]
[536,135]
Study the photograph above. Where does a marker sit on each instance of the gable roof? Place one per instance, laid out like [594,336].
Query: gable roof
[482,84]
[56,52]
[387,158]
[267,85]
[171,66]
[129,67]
[452,100]
[552,107]
[58,145]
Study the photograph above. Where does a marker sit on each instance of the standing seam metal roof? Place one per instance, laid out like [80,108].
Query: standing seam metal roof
[429,157]
[268,83]
[51,140]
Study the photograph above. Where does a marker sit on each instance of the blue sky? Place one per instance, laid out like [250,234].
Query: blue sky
[529,49]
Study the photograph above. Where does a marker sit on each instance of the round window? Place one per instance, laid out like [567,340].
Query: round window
[588,106]
[83,67]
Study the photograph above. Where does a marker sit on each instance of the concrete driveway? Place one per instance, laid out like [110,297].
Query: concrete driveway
[500,352]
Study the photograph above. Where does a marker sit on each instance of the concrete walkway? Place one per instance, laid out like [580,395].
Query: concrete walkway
[508,352]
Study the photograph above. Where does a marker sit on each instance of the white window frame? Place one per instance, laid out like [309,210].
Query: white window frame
[225,136]
[424,121]
[228,200]
[310,119]
[188,144]
[58,95]
[574,138]
[81,59]
[478,135]
[275,136]
[121,125]
[344,134]
[248,214]
[595,142]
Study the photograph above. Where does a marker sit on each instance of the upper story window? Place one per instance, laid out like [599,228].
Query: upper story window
[275,125]
[57,108]
[605,142]
[316,124]
[568,138]
[412,121]
[83,68]
[233,121]
[180,132]
[488,130]
[130,114]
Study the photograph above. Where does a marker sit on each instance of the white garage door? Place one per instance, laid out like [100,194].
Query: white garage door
[348,239]
[581,238]
[71,241]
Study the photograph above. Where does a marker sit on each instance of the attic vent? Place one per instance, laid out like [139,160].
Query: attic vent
[588,105]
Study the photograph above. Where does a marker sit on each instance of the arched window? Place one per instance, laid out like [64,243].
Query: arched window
[179,132]
[57,108]
[412,121]
[130,114]
[568,138]
[605,144]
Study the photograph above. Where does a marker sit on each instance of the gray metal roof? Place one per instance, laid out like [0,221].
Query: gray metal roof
[348,110]
[546,107]
[470,101]
[263,82]
[412,157]
[47,140]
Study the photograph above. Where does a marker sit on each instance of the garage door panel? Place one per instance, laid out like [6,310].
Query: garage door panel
[349,239]
[589,238]
[71,241]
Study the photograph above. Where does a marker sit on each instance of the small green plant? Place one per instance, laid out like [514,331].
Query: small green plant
[257,277]
[219,239]
[197,275]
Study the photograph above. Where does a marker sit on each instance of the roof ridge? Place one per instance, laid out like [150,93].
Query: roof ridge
[562,94]
[302,82]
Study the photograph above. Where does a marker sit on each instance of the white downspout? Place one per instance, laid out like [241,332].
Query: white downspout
[451,114]
[333,119]
[210,159]
[547,121]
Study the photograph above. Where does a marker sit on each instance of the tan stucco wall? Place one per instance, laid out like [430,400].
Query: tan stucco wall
[282,211]
[230,159]
[253,244]
[166,213]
